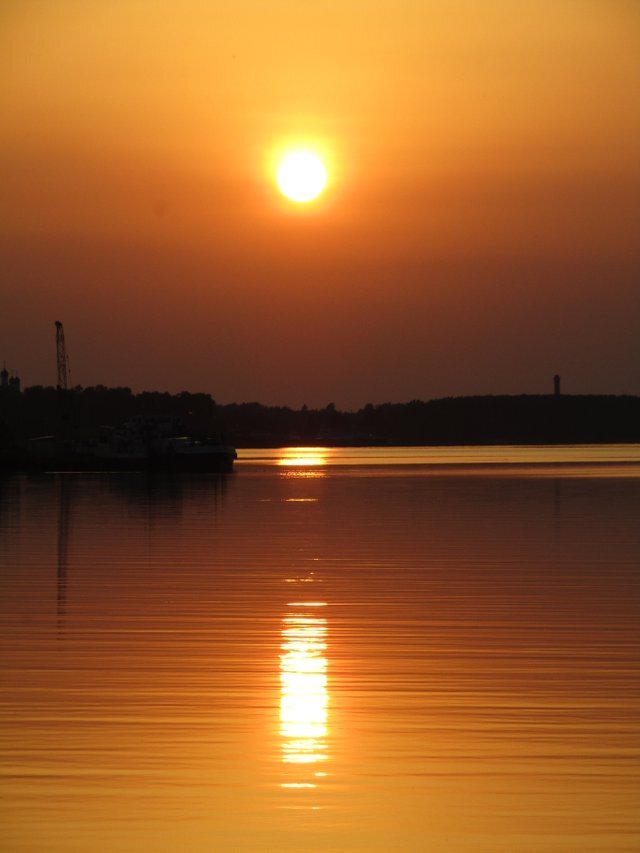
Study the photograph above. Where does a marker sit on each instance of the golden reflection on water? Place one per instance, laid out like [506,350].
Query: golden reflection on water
[305,457]
[304,696]
[456,460]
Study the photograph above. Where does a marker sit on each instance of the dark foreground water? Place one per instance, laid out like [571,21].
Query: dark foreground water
[351,651]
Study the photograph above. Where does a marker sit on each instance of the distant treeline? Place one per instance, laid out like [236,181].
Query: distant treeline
[523,419]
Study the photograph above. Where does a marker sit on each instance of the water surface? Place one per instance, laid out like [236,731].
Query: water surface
[329,650]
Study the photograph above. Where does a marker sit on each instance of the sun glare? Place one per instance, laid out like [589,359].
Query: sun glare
[301,176]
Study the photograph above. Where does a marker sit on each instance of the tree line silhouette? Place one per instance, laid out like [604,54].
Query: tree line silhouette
[500,419]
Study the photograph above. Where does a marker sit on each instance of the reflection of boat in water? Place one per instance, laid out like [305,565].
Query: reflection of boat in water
[153,443]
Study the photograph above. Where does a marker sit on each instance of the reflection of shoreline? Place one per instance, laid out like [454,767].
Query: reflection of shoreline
[304,695]
[167,490]
[150,502]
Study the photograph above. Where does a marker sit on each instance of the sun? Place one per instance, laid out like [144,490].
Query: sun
[301,176]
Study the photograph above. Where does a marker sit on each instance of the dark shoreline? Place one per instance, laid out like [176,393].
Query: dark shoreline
[526,419]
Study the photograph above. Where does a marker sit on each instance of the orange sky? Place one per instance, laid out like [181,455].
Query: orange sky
[479,232]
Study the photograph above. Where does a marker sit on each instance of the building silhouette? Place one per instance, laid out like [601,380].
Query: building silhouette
[9,381]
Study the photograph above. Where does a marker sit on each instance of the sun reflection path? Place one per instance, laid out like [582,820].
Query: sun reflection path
[303,457]
[304,696]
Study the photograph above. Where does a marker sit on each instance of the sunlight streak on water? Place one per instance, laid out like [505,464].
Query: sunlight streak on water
[305,457]
[489,455]
[303,679]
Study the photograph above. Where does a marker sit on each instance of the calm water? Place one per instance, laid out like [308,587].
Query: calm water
[329,650]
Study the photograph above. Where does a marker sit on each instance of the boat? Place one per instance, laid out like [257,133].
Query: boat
[141,443]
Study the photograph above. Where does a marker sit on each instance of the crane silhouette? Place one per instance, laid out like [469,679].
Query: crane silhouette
[62,358]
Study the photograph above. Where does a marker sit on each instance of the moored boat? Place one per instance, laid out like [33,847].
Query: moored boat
[142,443]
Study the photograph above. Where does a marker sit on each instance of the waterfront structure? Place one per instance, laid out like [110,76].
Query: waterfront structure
[9,380]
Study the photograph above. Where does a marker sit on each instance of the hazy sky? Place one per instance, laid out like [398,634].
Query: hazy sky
[480,230]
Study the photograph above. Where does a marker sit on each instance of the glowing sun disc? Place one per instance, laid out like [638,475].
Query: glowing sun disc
[301,176]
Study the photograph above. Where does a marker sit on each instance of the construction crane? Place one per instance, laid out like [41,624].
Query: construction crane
[63,361]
